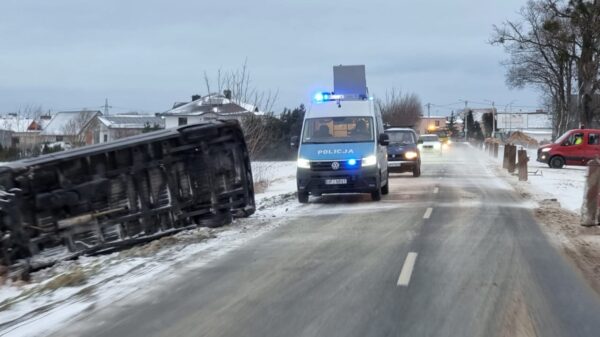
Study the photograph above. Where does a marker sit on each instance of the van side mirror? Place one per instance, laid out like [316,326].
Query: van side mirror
[294,142]
[384,139]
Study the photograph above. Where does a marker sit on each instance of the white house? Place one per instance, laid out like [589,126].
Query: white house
[203,109]
[71,127]
[109,128]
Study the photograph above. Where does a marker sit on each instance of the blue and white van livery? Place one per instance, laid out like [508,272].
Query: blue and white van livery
[342,148]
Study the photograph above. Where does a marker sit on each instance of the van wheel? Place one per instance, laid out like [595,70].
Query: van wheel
[417,171]
[376,195]
[557,162]
[302,197]
[385,190]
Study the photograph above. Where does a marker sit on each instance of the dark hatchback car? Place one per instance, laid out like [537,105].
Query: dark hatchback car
[403,153]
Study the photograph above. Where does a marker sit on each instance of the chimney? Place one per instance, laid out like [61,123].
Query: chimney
[196,97]
[227,93]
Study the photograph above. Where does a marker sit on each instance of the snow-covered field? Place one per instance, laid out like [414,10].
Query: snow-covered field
[57,295]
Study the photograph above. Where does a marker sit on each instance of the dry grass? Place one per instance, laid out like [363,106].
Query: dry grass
[72,278]
[187,237]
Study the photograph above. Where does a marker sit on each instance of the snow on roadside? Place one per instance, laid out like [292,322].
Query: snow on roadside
[59,294]
[566,185]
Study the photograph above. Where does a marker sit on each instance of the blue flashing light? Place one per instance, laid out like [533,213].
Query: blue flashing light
[319,97]
[352,162]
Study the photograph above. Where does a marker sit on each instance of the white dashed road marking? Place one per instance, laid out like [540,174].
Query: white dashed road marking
[407,269]
[427,214]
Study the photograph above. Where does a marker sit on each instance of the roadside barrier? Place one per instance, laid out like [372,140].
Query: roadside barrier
[589,209]
[523,159]
[511,158]
[117,194]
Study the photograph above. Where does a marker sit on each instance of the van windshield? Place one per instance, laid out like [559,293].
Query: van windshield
[338,130]
[402,137]
[562,138]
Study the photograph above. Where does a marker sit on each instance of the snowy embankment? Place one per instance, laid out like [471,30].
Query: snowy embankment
[566,185]
[58,295]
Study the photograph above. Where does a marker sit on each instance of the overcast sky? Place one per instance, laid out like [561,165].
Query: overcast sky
[143,55]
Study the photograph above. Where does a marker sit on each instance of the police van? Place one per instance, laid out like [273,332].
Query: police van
[342,148]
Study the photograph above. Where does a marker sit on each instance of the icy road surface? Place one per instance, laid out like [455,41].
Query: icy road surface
[456,252]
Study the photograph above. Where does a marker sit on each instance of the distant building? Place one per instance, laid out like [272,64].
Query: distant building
[203,109]
[109,128]
[536,124]
[71,127]
[15,131]
[431,123]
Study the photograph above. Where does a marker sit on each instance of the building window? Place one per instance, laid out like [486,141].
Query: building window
[59,138]
[105,138]
[182,121]
[437,123]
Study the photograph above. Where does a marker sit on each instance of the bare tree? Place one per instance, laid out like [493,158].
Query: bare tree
[583,18]
[554,46]
[260,102]
[400,110]
[239,82]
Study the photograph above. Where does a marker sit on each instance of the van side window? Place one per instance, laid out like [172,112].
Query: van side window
[574,139]
[594,139]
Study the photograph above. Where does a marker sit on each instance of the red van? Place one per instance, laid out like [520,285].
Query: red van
[575,147]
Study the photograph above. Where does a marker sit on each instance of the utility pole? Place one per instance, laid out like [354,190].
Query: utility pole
[493,120]
[106,107]
[465,121]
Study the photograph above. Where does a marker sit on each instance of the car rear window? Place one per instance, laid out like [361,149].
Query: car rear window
[430,138]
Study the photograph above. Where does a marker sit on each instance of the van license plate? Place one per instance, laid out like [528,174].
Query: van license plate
[336,181]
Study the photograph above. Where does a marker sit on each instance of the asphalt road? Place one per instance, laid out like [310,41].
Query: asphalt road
[342,267]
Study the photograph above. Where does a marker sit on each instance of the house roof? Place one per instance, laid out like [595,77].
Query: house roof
[217,104]
[69,123]
[130,121]
[15,124]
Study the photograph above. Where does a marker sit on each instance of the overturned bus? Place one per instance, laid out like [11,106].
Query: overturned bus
[116,194]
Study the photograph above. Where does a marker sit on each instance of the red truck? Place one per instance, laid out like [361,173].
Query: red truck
[575,147]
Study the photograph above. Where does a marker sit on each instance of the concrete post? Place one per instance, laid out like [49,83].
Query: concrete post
[496,148]
[523,159]
[589,209]
[505,160]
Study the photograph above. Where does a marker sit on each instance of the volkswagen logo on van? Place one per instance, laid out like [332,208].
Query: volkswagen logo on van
[335,166]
